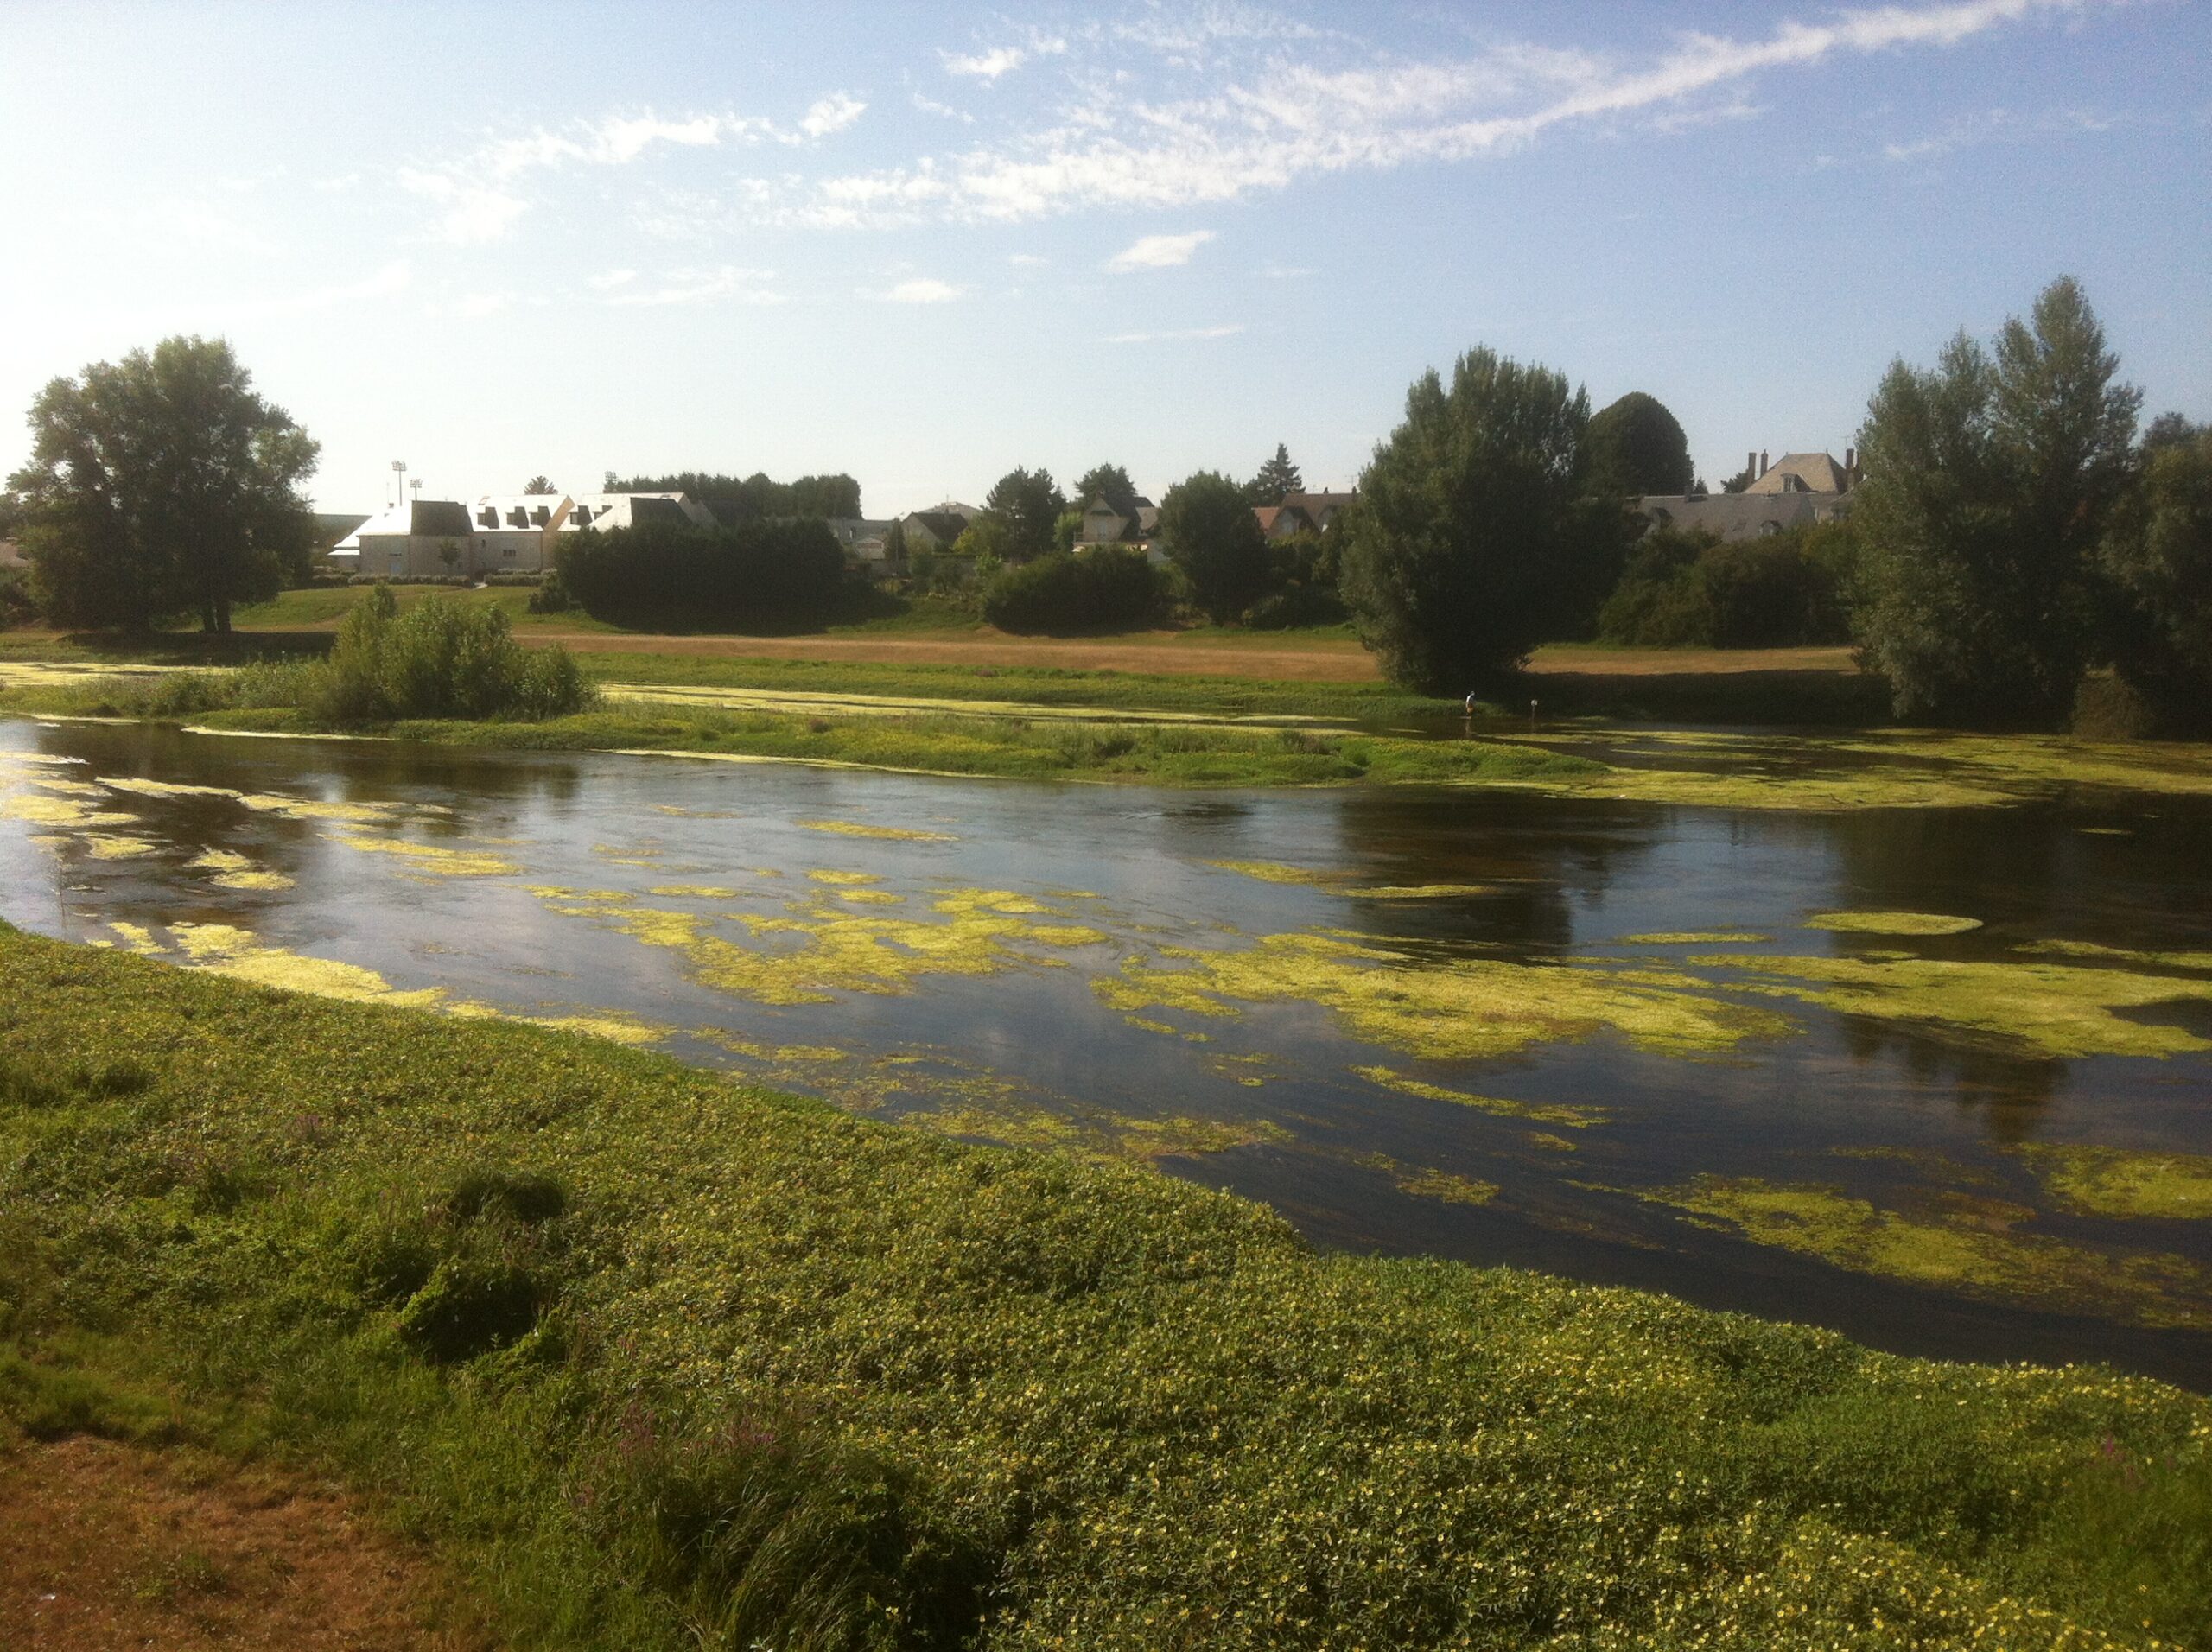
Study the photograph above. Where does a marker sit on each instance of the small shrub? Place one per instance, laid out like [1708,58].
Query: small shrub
[552,596]
[472,1303]
[442,658]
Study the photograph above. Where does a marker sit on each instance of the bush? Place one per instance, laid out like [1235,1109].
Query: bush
[1111,589]
[1301,585]
[1208,530]
[552,596]
[677,574]
[2158,558]
[1684,588]
[17,606]
[442,658]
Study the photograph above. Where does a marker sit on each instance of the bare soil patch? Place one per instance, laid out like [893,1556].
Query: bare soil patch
[1324,662]
[104,1545]
[1569,659]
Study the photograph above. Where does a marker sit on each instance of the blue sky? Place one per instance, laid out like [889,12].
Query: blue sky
[924,243]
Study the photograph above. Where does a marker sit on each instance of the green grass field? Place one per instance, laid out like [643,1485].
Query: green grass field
[660,1361]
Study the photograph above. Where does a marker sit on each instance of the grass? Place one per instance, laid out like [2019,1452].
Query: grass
[658,1361]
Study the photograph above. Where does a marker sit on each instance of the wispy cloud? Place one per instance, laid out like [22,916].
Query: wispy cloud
[985,66]
[1026,260]
[831,114]
[924,290]
[931,106]
[609,281]
[728,283]
[1228,331]
[1158,251]
[1283,120]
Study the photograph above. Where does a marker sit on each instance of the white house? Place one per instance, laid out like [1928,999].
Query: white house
[410,541]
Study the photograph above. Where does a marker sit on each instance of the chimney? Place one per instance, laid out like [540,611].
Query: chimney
[1751,466]
[1762,461]
[1850,467]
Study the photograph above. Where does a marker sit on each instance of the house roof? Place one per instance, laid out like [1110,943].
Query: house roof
[427,519]
[1315,504]
[1733,516]
[503,506]
[1816,472]
[630,510]
[947,525]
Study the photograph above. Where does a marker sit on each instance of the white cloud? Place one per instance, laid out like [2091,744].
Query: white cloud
[468,213]
[728,283]
[985,66]
[1026,261]
[831,114]
[924,290]
[1158,251]
[931,106]
[1281,120]
[611,280]
[1228,331]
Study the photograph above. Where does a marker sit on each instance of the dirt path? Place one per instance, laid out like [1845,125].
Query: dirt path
[106,1546]
[1311,663]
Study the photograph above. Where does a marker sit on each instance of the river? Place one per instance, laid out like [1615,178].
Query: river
[1939,1079]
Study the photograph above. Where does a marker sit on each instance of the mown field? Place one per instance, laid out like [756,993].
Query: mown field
[658,1361]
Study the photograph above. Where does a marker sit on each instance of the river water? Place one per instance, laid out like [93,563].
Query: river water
[1756,1059]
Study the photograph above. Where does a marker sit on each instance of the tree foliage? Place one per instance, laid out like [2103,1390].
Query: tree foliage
[680,574]
[538,485]
[755,496]
[1111,588]
[443,658]
[2158,555]
[162,484]
[1990,479]
[1636,447]
[1209,531]
[1026,503]
[1685,589]
[1110,483]
[1276,478]
[1466,518]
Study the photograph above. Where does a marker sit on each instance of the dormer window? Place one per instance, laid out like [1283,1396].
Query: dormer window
[541,516]
[583,516]
[488,517]
[516,519]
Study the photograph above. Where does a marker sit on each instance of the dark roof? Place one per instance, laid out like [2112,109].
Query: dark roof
[947,525]
[444,518]
[331,526]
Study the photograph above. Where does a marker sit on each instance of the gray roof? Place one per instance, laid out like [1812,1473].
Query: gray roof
[1733,516]
[1816,472]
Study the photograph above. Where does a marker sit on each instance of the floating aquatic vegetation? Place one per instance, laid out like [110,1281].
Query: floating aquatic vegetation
[1961,1244]
[615,1028]
[114,846]
[356,814]
[167,788]
[137,938]
[234,871]
[1421,1182]
[560,892]
[1892,923]
[666,891]
[1341,883]
[1548,1142]
[429,857]
[2125,954]
[844,880]
[856,828]
[2123,1182]
[43,809]
[1462,1009]
[70,788]
[1539,1112]
[972,932]
[2045,1010]
[1091,1134]
[1694,938]
[229,950]
[1829,789]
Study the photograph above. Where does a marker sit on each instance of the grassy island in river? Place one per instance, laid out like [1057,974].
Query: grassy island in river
[659,1360]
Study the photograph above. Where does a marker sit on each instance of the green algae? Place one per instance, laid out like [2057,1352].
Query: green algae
[2090,950]
[894,834]
[1464,1009]
[41,808]
[116,846]
[1545,1140]
[972,932]
[1892,923]
[845,879]
[1536,1112]
[2036,1008]
[1421,1182]
[1961,1244]
[235,871]
[2123,1182]
[1341,883]
[1094,1133]
[1694,938]
[429,857]
[228,950]
[675,891]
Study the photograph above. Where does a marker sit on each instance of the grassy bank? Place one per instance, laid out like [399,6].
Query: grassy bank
[659,1361]
[998,745]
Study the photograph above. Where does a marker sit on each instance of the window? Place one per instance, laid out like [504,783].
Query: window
[488,517]
[583,516]
[540,516]
[508,551]
[516,519]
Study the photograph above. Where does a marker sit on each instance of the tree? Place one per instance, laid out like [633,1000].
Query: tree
[1210,532]
[1742,480]
[1110,483]
[2158,555]
[449,554]
[1466,517]
[1990,480]
[1277,477]
[1026,503]
[537,485]
[162,484]
[1636,447]
[1067,528]
[2172,430]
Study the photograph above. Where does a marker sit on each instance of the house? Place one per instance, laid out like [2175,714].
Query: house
[1802,488]
[409,541]
[1301,512]
[607,511]
[1279,521]
[865,541]
[936,528]
[1103,525]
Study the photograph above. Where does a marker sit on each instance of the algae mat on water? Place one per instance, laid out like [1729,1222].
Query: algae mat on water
[1958,1242]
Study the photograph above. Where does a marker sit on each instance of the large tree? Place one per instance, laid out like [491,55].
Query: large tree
[1636,447]
[1208,529]
[1466,522]
[1277,478]
[1110,483]
[539,485]
[1990,480]
[2158,553]
[1026,503]
[161,484]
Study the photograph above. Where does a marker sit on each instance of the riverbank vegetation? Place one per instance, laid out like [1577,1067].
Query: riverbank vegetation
[659,1361]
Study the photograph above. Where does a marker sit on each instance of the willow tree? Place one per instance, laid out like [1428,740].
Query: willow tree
[161,484]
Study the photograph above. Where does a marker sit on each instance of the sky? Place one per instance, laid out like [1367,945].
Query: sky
[924,243]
